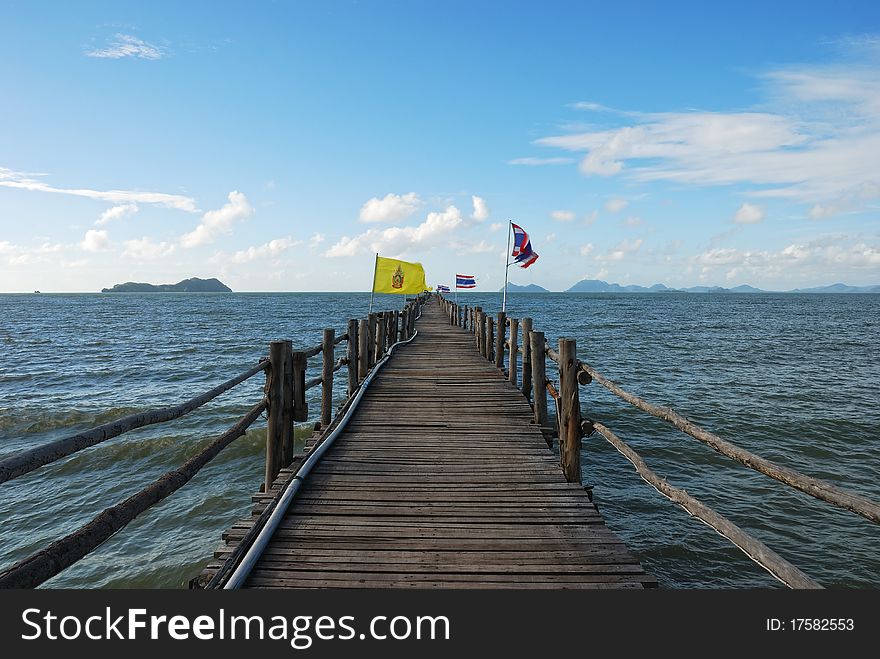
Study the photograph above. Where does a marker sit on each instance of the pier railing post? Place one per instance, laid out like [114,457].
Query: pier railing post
[499,353]
[380,337]
[480,330]
[569,412]
[363,348]
[404,320]
[490,338]
[539,378]
[327,377]
[300,406]
[287,434]
[526,358]
[352,355]
[372,320]
[275,423]
[514,349]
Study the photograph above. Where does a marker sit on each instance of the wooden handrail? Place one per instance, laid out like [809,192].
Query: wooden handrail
[46,563]
[815,487]
[753,548]
[26,461]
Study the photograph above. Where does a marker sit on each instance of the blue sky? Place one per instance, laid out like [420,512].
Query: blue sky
[278,146]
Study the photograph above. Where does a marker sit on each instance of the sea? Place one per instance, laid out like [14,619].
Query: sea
[794,378]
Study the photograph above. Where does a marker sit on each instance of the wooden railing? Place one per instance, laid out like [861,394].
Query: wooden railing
[284,402]
[499,336]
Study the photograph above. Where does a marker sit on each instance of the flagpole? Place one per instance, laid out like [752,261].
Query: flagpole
[506,266]
[373,289]
[456,289]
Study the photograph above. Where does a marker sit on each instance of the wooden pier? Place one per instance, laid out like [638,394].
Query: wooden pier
[435,472]
[440,480]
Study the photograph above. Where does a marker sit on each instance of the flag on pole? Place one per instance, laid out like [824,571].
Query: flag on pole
[401,277]
[465,281]
[523,254]
[442,289]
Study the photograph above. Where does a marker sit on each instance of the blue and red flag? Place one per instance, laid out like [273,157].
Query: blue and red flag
[442,289]
[465,281]
[523,253]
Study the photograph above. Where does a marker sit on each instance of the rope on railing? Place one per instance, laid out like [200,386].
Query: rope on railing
[46,563]
[26,461]
[752,547]
[815,487]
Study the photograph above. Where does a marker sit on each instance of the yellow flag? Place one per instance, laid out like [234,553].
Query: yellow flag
[393,276]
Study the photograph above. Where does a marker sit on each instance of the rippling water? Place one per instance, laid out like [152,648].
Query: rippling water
[795,378]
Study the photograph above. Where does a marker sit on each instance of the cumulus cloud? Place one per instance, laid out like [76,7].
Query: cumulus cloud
[32,182]
[616,205]
[271,249]
[95,241]
[316,239]
[218,221]
[550,237]
[621,251]
[116,213]
[748,214]
[495,226]
[127,45]
[481,210]
[562,216]
[433,232]
[390,208]
[587,249]
[144,249]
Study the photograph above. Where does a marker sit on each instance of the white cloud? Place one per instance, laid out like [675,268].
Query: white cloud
[481,210]
[550,237]
[616,205]
[390,208]
[433,232]
[633,221]
[271,249]
[7,247]
[23,181]
[538,162]
[316,239]
[587,249]
[621,250]
[95,241]
[127,45]
[817,140]
[495,226]
[144,249]
[481,247]
[591,217]
[218,221]
[749,214]
[116,213]
[48,248]
[562,216]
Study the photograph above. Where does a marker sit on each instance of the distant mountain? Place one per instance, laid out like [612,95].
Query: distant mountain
[530,288]
[193,285]
[599,286]
[838,288]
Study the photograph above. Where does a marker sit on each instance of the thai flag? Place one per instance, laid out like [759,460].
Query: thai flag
[523,253]
[442,289]
[465,281]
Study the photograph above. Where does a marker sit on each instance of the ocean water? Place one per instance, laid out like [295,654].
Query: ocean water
[794,378]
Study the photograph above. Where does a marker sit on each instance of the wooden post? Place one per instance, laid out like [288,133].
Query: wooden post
[379,348]
[526,358]
[569,412]
[352,355]
[300,406]
[499,352]
[539,378]
[404,319]
[480,329]
[275,424]
[363,348]
[490,338]
[287,436]
[327,378]
[372,320]
[514,348]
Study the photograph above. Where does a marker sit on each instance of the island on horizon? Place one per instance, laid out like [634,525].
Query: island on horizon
[192,285]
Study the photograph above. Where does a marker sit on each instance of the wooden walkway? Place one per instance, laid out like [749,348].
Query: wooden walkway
[440,480]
